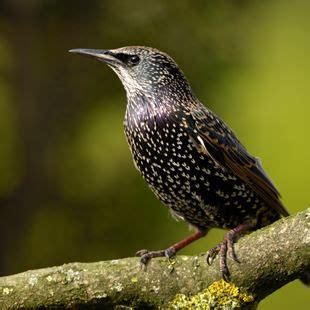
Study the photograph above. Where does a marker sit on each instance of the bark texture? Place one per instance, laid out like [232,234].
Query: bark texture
[270,258]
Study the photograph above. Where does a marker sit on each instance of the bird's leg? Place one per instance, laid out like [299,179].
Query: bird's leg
[228,244]
[146,255]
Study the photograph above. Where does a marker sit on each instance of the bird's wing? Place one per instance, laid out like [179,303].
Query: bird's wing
[211,136]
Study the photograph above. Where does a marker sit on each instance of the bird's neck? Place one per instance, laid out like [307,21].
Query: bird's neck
[156,107]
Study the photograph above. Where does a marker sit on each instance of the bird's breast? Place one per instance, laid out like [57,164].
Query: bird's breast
[186,180]
[169,162]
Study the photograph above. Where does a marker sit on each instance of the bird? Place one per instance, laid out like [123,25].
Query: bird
[189,157]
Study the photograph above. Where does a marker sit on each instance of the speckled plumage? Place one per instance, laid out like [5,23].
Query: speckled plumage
[166,125]
[188,156]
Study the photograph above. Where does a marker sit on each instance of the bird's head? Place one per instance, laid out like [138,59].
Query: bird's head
[141,69]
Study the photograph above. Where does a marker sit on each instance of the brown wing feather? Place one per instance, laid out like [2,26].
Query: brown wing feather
[218,141]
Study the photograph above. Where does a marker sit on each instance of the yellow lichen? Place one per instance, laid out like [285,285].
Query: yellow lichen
[219,295]
[134,280]
[7,291]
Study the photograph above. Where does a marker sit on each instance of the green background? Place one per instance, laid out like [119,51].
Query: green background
[68,188]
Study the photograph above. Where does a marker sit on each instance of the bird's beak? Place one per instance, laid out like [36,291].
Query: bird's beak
[101,55]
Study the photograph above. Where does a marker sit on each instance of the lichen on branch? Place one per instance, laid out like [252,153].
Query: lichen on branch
[220,294]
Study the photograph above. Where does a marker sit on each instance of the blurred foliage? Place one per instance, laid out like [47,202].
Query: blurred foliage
[68,188]
[9,163]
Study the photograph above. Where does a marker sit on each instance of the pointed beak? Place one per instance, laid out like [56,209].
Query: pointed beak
[101,55]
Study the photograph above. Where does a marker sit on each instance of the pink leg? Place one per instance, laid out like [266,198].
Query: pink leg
[171,251]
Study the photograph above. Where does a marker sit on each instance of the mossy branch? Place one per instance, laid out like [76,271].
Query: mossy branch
[270,258]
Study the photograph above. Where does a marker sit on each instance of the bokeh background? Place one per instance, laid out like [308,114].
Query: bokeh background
[68,188]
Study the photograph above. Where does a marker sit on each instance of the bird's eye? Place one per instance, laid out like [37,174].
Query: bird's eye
[133,60]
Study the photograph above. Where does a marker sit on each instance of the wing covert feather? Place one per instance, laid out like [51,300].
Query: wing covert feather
[213,137]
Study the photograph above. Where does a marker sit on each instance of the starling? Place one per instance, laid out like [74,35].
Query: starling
[189,157]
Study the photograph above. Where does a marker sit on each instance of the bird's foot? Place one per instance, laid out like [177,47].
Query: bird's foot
[146,255]
[212,253]
[222,248]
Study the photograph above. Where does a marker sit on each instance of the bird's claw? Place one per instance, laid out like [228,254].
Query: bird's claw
[212,253]
[231,246]
[222,248]
[146,255]
[170,252]
[142,252]
[225,273]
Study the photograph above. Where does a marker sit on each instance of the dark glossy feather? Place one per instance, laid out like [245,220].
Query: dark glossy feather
[213,137]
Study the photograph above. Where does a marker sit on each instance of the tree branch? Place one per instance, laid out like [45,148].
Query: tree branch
[270,258]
